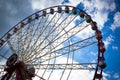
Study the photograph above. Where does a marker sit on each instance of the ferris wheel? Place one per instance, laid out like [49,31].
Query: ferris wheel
[47,46]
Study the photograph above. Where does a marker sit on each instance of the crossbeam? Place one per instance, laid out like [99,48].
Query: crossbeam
[74,66]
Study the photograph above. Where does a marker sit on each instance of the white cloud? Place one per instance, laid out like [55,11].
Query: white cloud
[108,40]
[105,5]
[100,18]
[85,33]
[114,47]
[74,2]
[99,10]
[41,4]
[112,6]
[93,53]
[105,75]
[116,76]
[116,23]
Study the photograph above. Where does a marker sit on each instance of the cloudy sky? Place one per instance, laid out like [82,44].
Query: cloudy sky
[105,12]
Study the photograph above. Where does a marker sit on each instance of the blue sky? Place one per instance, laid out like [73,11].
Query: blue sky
[105,12]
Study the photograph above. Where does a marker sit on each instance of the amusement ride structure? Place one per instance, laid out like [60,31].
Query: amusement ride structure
[33,48]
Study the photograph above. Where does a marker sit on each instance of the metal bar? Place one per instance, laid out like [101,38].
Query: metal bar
[66,51]
[74,66]
[48,35]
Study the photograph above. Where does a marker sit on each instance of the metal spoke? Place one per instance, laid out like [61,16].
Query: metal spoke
[78,45]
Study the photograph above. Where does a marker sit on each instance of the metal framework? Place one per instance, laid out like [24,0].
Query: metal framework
[38,42]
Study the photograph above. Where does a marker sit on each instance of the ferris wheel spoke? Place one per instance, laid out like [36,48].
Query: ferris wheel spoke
[46,66]
[72,62]
[28,37]
[40,77]
[49,63]
[47,44]
[64,52]
[44,39]
[51,31]
[55,39]
[43,49]
[77,46]
[3,57]
[10,46]
[52,69]
[35,42]
[21,42]
[4,52]
[66,39]
[42,31]
[28,47]
[67,55]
